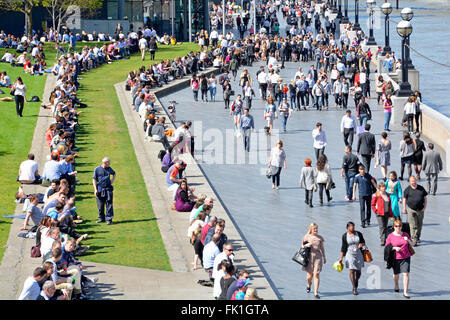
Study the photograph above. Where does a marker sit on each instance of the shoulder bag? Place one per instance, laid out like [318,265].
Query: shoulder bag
[302,256]
[35,252]
[367,255]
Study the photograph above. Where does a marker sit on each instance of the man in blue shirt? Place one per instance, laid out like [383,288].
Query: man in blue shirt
[103,190]
[247,125]
[365,182]
[52,169]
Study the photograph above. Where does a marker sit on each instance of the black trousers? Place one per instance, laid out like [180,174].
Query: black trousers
[105,200]
[322,186]
[308,196]
[20,101]
[365,208]
[382,224]
[345,100]
[365,159]
[319,152]
[263,90]
[348,136]
[276,177]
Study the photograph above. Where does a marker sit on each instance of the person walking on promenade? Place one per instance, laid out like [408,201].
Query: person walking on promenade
[248,94]
[432,164]
[419,148]
[320,140]
[350,165]
[226,93]
[399,242]
[317,257]
[348,126]
[415,197]
[406,154]
[276,162]
[379,88]
[212,86]
[387,107]
[418,114]
[381,205]
[410,111]
[285,112]
[318,93]
[103,190]
[143,46]
[363,112]
[236,111]
[195,86]
[365,182]
[307,181]
[270,113]
[19,89]
[366,147]
[394,189]
[322,175]
[351,248]
[204,87]
[383,154]
[247,124]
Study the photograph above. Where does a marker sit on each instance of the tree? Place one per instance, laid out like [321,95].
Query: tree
[60,10]
[24,6]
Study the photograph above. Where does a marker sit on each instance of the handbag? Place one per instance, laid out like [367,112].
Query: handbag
[269,173]
[367,255]
[231,92]
[36,251]
[302,256]
[12,92]
[411,249]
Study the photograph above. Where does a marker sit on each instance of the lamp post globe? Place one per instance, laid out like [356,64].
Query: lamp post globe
[386,8]
[407,14]
[404,28]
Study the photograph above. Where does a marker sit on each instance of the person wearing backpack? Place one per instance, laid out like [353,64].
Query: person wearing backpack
[195,86]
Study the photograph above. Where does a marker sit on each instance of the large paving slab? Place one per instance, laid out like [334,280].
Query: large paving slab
[272,223]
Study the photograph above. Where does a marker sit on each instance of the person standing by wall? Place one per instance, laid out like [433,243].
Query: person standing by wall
[431,165]
[316,258]
[103,190]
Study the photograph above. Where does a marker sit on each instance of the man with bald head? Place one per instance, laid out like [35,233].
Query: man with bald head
[103,190]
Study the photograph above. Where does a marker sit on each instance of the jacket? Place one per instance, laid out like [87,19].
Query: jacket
[378,204]
[432,162]
[366,144]
[344,246]
[389,256]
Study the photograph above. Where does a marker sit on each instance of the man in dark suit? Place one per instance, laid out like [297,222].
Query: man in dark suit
[431,165]
[366,147]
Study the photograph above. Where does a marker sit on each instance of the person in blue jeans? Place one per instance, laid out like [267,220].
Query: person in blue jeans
[363,112]
[365,182]
[350,164]
[285,112]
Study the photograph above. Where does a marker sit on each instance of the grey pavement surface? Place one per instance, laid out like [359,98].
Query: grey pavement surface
[273,222]
[173,224]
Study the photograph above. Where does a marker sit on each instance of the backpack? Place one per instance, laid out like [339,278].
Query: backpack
[194,84]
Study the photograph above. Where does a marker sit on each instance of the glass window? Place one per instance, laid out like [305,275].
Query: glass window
[112,8]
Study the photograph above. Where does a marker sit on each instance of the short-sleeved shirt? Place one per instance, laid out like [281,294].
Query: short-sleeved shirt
[103,178]
[350,163]
[415,198]
[364,184]
[173,172]
[27,170]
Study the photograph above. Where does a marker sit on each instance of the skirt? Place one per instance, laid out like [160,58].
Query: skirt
[402,265]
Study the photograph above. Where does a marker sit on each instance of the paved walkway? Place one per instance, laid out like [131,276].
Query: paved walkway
[272,223]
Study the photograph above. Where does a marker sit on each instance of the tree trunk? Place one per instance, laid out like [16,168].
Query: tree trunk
[28,16]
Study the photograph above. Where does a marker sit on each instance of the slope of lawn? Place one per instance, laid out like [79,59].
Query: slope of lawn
[134,238]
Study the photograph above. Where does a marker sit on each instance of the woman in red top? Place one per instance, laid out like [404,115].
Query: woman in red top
[49,134]
[400,242]
[381,205]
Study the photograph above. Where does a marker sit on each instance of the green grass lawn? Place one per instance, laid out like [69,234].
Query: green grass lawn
[134,239]
[15,141]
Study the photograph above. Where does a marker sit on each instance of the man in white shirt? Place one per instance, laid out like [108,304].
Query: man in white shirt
[7,57]
[262,80]
[143,47]
[29,170]
[226,254]
[299,73]
[214,36]
[320,140]
[348,125]
[31,287]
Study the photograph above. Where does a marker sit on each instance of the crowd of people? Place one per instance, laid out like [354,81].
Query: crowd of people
[51,217]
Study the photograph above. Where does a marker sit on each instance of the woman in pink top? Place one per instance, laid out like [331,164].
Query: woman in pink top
[387,106]
[400,242]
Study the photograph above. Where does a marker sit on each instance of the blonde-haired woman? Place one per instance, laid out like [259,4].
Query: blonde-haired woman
[251,294]
[317,258]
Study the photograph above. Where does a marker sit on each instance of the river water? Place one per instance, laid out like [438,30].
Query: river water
[430,37]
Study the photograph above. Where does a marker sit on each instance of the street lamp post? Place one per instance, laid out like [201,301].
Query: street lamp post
[356,25]
[190,20]
[371,5]
[407,14]
[223,17]
[345,18]
[333,6]
[386,8]
[404,29]
[339,15]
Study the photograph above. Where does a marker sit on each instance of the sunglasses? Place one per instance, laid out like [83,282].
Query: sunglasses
[397,226]
[229,250]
